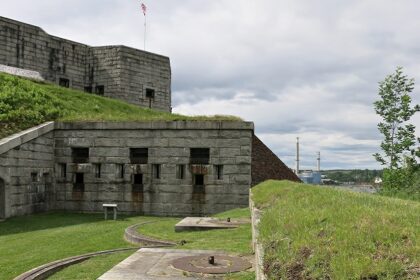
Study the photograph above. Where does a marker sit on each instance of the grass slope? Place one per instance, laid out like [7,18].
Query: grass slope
[25,103]
[29,241]
[313,232]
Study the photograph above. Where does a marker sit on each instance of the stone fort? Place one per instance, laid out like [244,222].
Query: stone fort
[128,74]
[175,168]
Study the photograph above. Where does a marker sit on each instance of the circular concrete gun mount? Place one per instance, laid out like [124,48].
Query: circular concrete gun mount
[211,264]
[132,235]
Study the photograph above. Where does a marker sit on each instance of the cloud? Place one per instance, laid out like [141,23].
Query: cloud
[296,68]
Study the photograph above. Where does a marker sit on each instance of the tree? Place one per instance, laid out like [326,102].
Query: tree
[395,109]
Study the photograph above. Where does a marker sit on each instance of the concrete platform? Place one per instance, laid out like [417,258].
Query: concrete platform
[206,223]
[155,264]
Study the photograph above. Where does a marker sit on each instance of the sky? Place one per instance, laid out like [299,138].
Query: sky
[307,69]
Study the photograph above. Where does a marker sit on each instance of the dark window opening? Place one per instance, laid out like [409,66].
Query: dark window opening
[138,179]
[180,171]
[219,171]
[34,177]
[121,171]
[200,155]
[198,183]
[100,90]
[150,93]
[64,68]
[79,182]
[63,170]
[88,89]
[139,155]
[97,170]
[138,183]
[80,155]
[64,82]
[156,171]
[198,180]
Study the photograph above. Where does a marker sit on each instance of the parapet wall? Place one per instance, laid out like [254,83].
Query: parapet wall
[112,71]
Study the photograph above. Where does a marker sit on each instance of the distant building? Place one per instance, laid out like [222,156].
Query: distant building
[310,177]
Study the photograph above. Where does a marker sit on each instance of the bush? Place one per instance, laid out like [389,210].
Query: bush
[402,182]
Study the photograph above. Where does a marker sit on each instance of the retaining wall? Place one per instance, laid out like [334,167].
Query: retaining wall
[27,169]
[40,172]
[169,145]
[256,245]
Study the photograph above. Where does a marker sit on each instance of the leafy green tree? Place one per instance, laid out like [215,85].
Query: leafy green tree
[395,109]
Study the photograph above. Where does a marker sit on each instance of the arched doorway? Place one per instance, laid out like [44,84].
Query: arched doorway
[2,199]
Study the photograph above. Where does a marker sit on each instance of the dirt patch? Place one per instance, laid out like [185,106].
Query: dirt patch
[295,271]
[304,253]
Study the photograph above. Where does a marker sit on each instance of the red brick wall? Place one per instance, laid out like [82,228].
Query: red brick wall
[266,165]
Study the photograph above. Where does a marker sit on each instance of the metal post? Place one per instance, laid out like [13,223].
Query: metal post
[297,155]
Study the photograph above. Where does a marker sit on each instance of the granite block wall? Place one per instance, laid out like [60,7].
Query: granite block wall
[80,166]
[112,71]
[169,146]
[26,172]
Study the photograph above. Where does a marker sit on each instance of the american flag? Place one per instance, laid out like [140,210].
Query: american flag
[143,8]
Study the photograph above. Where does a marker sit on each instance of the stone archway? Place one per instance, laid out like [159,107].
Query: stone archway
[2,199]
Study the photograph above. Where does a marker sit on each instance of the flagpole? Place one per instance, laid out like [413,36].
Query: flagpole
[144,9]
[145,31]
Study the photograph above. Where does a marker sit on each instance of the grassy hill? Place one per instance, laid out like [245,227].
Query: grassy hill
[313,232]
[25,103]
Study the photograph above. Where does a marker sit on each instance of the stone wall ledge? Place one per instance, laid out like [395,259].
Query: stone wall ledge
[15,140]
[157,125]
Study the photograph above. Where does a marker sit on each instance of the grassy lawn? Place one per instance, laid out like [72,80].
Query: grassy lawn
[92,268]
[212,240]
[29,241]
[311,232]
[25,103]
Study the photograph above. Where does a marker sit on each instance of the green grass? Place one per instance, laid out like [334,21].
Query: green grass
[211,240]
[311,232]
[25,103]
[92,268]
[29,241]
